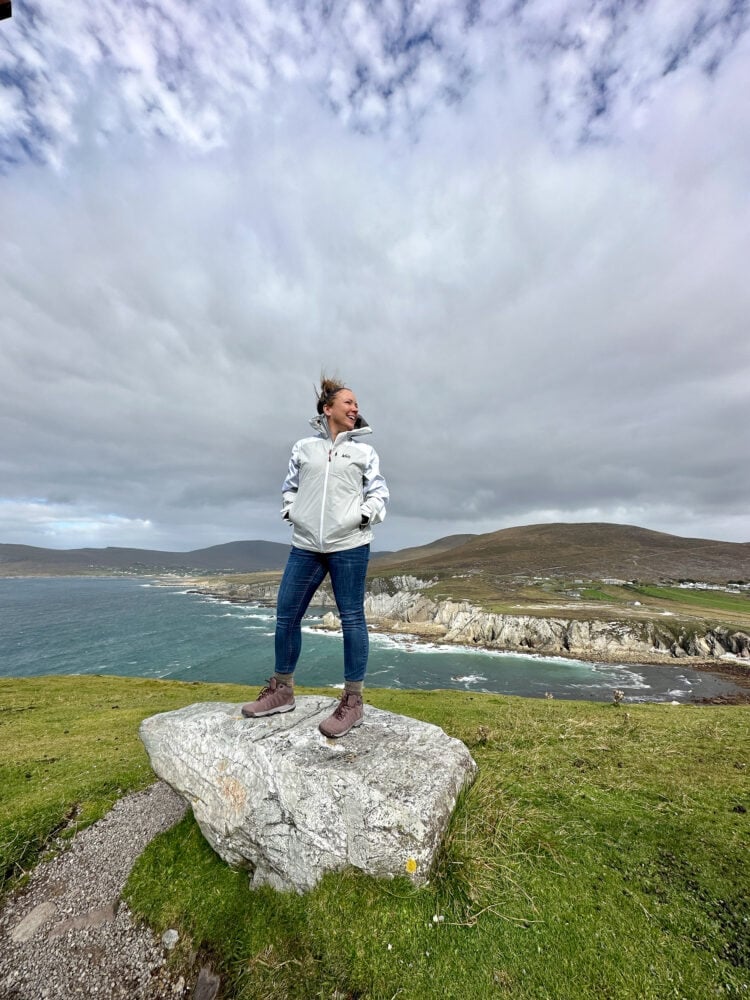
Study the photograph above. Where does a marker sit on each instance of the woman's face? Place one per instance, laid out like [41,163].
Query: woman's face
[342,412]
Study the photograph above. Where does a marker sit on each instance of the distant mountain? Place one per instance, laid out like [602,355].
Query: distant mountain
[591,551]
[238,557]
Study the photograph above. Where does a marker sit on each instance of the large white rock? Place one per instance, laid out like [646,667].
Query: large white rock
[277,797]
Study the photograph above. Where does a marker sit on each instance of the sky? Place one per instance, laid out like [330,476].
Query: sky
[519,231]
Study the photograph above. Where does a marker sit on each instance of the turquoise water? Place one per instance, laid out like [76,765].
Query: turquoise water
[131,628]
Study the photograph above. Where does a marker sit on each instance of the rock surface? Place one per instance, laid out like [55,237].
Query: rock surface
[275,796]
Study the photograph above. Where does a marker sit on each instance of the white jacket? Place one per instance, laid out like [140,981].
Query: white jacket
[330,486]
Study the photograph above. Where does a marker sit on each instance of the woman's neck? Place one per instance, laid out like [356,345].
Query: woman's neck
[334,429]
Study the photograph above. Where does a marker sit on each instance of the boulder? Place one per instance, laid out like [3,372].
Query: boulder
[277,797]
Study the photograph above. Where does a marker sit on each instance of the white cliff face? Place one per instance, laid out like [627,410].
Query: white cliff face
[465,624]
[398,601]
[257,593]
[411,583]
[392,584]
[403,606]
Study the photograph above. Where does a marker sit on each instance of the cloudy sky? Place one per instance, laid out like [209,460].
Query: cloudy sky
[519,230]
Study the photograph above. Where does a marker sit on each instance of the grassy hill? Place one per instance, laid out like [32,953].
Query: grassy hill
[589,551]
[601,852]
[436,548]
[588,571]
[563,551]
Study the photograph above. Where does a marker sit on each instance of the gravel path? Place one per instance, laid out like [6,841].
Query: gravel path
[67,935]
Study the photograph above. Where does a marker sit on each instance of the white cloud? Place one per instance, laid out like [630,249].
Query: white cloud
[60,525]
[190,72]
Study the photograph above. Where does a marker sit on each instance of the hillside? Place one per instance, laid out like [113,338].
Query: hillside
[238,557]
[586,551]
[563,551]
[421,551]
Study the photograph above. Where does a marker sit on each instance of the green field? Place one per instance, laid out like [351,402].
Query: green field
[601,852]
[573,599]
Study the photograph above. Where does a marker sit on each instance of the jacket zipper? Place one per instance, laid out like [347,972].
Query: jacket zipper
[323,503]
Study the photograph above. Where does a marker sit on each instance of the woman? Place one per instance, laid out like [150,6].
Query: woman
[332,495]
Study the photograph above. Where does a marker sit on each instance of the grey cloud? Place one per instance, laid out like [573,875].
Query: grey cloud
[532,334]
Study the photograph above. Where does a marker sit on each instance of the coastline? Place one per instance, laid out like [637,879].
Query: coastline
[441,635]
[733,669]
[425,632]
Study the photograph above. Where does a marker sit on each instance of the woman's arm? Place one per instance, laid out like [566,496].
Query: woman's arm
[291,484]
[375,490]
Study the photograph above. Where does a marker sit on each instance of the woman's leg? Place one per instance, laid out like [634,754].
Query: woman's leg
[304,573]
[348,571]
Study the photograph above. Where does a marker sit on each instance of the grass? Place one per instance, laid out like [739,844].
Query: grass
[601,852]
[702,602]
[594,600]
[69,750]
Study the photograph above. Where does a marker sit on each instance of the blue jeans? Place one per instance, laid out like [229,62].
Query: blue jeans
[304,573]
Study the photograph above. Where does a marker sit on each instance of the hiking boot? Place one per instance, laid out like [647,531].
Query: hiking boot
[272,699]
[347,715]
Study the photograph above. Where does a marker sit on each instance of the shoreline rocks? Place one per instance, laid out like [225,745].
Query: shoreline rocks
[400,606]
[642,641]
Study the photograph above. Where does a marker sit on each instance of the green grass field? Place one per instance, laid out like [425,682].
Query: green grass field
[570,599]
[601,853]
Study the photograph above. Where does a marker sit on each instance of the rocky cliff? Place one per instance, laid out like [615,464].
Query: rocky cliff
[398,604]
[465,624]
[256,593]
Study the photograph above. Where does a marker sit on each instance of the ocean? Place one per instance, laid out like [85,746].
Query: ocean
[131,627]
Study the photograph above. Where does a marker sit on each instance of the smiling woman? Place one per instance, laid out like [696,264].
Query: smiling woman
[333,494]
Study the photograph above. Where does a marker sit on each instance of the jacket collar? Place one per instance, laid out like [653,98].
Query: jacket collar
[320,423]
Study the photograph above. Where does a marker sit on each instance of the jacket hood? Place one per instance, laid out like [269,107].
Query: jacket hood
[320,423]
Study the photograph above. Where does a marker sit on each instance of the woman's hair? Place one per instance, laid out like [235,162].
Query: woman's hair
[328,389]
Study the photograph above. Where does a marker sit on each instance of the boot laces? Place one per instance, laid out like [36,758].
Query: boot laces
[266,691]
[342,706]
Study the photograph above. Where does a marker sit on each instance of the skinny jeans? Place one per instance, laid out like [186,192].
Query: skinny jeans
[304,573]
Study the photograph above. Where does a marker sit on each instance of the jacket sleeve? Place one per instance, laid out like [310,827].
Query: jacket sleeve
[291,484]
[375,490]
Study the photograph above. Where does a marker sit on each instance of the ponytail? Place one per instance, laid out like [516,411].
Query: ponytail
[328,389]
